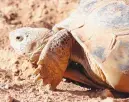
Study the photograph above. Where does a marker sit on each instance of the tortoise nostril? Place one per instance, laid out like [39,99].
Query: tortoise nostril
[19,38]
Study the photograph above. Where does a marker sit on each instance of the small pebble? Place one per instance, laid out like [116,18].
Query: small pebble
[6,86]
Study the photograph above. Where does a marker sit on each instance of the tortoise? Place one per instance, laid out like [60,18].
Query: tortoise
[95,35]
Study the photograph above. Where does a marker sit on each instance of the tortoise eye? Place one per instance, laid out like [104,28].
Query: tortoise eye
[19,38]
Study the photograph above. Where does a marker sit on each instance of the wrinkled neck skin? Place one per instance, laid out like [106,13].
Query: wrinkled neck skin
[37,47]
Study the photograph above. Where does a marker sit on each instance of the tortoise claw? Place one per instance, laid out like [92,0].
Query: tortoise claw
[37,71]
[37,74]
[38,77]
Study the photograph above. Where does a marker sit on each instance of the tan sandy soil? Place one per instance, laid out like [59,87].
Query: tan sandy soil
[16,79]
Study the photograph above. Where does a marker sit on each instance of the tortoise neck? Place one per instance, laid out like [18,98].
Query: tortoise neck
[38,46]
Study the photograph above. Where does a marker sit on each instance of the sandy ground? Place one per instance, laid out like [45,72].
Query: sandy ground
[16,79]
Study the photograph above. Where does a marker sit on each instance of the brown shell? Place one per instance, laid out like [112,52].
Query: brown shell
[102,29]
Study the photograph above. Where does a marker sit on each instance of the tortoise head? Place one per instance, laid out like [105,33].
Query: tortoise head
[26,40]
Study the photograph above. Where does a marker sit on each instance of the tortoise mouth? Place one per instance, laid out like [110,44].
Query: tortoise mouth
[37,49]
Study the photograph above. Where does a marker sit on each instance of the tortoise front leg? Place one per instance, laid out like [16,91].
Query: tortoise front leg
[54,58]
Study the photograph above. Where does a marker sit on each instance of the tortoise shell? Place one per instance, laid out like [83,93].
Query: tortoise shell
[101,27]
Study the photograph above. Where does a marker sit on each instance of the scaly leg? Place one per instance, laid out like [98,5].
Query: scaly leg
[54,58]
